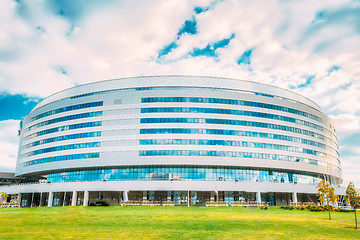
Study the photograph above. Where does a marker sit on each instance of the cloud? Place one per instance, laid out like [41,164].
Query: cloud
[112,38]
[333,68]
[167,49]
[351,170]
[189,27]
[35,54]
[310,46]
[346,123]
[73,11]
[8,144]
[348,15]
[308,79]
[348,133]
[201,9]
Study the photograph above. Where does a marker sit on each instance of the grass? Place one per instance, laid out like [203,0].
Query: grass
[173,223]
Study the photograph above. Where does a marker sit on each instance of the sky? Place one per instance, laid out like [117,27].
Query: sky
[309,47]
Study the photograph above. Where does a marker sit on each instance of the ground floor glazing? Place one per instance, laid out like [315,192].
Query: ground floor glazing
[158,198]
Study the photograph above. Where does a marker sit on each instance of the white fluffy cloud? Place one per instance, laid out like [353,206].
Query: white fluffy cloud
[42,52]
[348,133]
[346,123]
[124,39]
[8,144]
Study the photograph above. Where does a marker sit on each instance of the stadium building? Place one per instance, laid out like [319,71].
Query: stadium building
[174,140]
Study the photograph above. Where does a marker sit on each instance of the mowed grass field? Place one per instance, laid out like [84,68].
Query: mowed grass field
[173,223]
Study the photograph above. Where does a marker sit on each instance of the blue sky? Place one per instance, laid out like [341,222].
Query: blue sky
[310,47]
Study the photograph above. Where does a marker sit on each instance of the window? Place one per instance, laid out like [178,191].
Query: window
[65,109]
[232,102]
[233,112]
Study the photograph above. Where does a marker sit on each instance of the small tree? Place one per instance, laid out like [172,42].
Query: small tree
[326,195]
[353,198]
[3,196]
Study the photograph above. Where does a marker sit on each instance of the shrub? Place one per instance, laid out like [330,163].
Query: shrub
[300,207]
[316,208]
[263,207]
[345,210]
[287,207]
[328,208]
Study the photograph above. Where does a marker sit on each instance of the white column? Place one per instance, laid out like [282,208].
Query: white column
[217,196]
[86,198]
[258,197]
[64,199]
[41,200]
[32,200]
[50,199]
[125,196]
[19,199]
[74,198]
[294,197]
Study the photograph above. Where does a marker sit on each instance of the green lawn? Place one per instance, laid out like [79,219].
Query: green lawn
[173,223]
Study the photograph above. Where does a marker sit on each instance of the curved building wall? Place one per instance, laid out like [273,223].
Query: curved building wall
[176,128]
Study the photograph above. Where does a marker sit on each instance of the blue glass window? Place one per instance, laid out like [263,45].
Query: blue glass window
[68,108]
[229,154]
[184,173]
[66,118]
[62,148]
[229,132]
[63,138]
[232,102]
[231,112]
[231,143]
[62,158]
[82,95]
[64,128]
[234,122]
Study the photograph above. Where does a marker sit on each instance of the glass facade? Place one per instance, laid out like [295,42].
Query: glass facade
[63,128]
[135,131]
[187,88]
[229,154]
[234,122]
[231,143]
[66,109]
[66,118]
[230,112]
[231,102]
[182,173]
[63,138]
[62,148]
[62,158]
[230,132]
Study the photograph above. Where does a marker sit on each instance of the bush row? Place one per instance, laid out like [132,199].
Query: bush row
[313,208]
